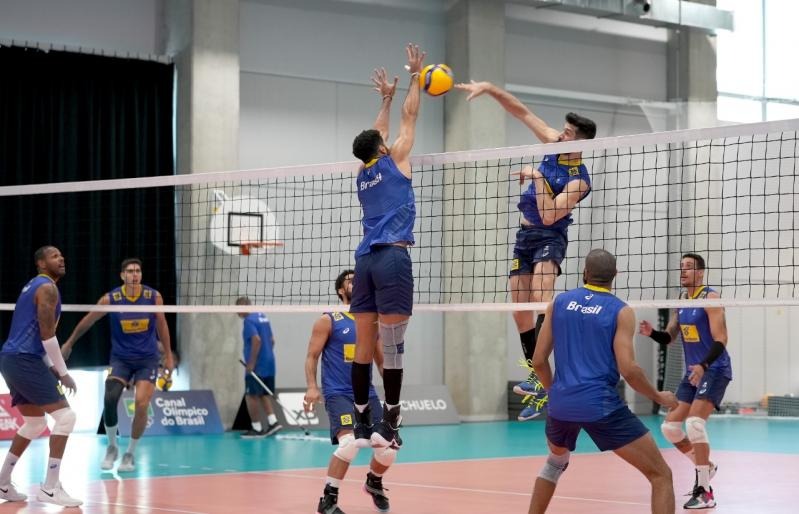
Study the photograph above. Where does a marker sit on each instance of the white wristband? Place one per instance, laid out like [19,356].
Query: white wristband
[53,351]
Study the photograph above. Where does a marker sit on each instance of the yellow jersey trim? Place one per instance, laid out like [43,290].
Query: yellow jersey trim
[570,162]
[351,316]
[371,163]
[596,288]
[697,292]
[45,275]
[131,298]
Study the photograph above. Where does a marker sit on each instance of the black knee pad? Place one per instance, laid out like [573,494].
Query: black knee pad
[113,390]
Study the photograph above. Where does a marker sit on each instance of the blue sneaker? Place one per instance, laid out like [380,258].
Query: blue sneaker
[528,388]
[528,413]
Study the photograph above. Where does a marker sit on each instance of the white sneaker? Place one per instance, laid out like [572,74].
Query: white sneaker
[58,496]
[111,454]
[9,493]
[127,464]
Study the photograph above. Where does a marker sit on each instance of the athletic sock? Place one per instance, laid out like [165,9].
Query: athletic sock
[53,469]
[256,425]
[271,419]
[703,476]
[132,445]
[8,467]
[111,432]
[528,343]
[392,384]
[333,482]
[360,383]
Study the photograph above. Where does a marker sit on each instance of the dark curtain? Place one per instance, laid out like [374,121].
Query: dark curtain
[68,117]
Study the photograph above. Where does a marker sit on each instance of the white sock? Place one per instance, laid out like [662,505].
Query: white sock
[389,406]
[272,419]
[111,432]
[256,425]
[8,467]
[360,408]
[132,445]
[334,482]
[375,473]
[703,473]
[53,468]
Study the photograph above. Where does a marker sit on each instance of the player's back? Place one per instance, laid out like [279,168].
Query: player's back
[338,356]
[583,330]
[388,203]
[133,334]
[24,336]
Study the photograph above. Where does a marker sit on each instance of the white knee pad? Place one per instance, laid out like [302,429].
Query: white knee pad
[64,421]
[554,467]
[672,431]
[393,339]
[695,426]
[385,456]
[32,427]
[347,449]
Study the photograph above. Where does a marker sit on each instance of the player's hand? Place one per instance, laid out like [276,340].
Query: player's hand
[382,85]
[68,383]
[524,173]
[312,397]
[645,328]
[169,364]
[250,367]
[415,58]
[697,372]
[66,350]
[667,399]
[474,88]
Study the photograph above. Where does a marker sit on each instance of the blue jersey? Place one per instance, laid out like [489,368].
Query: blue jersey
[257,324]
[583,329]
[25,336]
[133,334]
[338,355]
[388,203]
[697,339]
[558,172]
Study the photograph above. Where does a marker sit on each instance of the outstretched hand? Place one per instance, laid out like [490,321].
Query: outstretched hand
[415,58]
[474,88]
[382,85]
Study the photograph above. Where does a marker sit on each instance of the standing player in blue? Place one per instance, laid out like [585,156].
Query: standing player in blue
[259,356]
[333,338]
[134,356]
[707,372]
[558,185]
[382,296]
[591,332]
[35,372]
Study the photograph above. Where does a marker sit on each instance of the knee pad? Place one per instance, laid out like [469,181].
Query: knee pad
[554,467]
[32,427]
[113,391]
[393,339]
[64,421]
[347,449]
[695,426]
[385,456]
[672,431]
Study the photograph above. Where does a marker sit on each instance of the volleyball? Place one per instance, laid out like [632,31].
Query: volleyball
[436,79]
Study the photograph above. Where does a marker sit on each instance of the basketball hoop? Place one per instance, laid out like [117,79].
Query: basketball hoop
[247,246]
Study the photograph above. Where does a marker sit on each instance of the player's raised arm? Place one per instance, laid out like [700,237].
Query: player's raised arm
[401,149]
[386,91]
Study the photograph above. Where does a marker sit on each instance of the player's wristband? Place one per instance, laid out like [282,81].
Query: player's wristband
[660,337]
[715,352]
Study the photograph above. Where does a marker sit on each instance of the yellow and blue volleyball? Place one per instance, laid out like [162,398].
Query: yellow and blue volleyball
[436,79]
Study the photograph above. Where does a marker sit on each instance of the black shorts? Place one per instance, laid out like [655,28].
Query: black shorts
[383,281]
[29,380]
[534,245]
[617,429]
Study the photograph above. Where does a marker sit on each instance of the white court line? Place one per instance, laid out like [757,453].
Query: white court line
[462,489]
[148,508]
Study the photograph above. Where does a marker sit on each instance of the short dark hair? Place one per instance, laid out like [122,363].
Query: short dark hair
[39,254]
[242,300]
[367,144]
[340,280]
[600,266]
[127,262]
[586,129]
[700,262]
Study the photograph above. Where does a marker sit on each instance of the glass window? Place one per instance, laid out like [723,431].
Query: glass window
[782,42]
[778,111]
[739,57]
[739,110]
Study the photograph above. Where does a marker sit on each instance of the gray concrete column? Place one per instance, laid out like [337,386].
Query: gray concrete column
[691,74]
[475,343]
[203,35]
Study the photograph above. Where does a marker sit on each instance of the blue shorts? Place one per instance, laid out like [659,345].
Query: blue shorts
[617,429]
[536,244]
[28,380]
[253,388]
[341,413]
[383,281]
[711,388]
[131,371]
